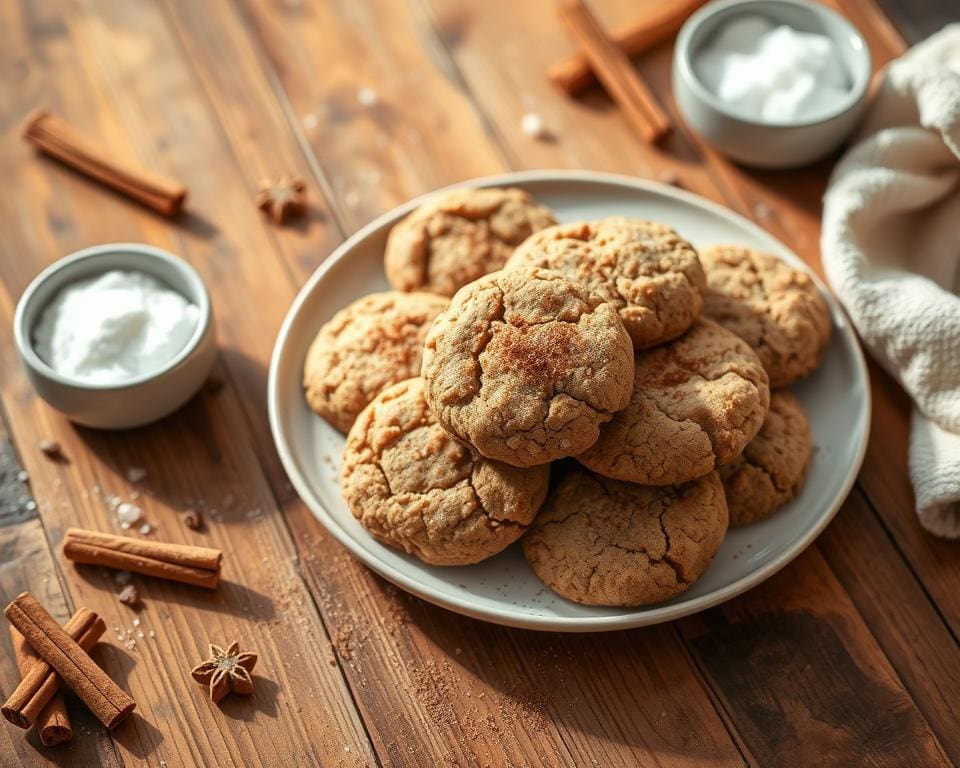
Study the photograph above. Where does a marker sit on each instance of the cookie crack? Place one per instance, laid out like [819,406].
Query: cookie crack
[770,475]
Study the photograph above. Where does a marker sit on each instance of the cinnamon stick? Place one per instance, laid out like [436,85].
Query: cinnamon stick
[40,683]
[199,566]
[573,74]
[104,697]
[59,139]
[53,722]
[614,70]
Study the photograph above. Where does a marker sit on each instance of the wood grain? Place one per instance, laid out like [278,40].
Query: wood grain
[849,654]
[201,456]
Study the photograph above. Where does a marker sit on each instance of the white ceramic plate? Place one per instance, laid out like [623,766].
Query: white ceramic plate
[503,589]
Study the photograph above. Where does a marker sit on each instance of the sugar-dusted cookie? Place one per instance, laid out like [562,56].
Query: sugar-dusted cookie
[772,468]
[416,488]
[696,403]
[646,270]
[605,542]
[775,308]
[372,343]
[457,236]
[526,364]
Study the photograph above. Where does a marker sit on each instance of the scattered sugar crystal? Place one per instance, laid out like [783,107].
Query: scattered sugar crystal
[124,526]
[31,505]
[140,634]
[136,474]
[136,622]
[145,529]
[128,513]
[22,476]
[152,633]
[367,97]
[532,124]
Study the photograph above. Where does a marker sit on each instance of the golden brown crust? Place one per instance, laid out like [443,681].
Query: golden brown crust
[526,364]
[603,542]
[416,488]
[696,403]
[367,346]
[644,269]
[776,309]
[455,237]
[772,468]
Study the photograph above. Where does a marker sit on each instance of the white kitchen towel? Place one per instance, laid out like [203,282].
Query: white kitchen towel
[891,251]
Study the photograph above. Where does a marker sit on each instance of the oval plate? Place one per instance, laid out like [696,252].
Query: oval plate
[503,589]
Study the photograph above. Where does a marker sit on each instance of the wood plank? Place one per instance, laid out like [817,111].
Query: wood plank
[909,628]
[377,100]
[302,710]
[27,565]
[846,705]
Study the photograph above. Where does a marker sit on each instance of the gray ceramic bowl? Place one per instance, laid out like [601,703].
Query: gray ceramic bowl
[752,141]
[138,401]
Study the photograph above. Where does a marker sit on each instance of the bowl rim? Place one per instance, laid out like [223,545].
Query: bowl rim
[684,59]
[23,335]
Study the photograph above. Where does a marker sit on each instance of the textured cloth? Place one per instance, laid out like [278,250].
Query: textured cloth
[891,251]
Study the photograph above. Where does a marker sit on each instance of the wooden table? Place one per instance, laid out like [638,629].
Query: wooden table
[849,656]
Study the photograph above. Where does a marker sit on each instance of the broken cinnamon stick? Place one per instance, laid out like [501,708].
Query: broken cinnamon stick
[104,697]
[40,683]
[59,139]
[199,566]
[573,74]
[614,70]
[53,722]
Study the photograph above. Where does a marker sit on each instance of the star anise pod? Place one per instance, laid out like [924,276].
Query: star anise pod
[283,198]
[226,671]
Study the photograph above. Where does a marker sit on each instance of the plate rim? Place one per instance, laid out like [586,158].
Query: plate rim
[643,616]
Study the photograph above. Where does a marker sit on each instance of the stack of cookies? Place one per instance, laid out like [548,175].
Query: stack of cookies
[638,368]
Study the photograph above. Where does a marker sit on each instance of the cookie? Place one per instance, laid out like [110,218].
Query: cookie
[414,487]
[772,468]
[374,342]
[696,403]
[526,364]
[604,542]
[457,236]
[649,273]
[776,309]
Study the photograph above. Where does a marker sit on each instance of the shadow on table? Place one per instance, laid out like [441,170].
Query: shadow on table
[135,733]
[230,598]
[245,708]
[199,457]
[562,677]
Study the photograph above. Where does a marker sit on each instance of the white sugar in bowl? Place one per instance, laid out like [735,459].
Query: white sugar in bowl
[117,335]
[771,83]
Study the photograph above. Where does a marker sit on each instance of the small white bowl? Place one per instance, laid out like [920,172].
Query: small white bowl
[769,144]
[140,400]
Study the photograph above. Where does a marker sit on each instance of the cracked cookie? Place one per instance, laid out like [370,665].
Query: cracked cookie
[649,273]
[526,364]
[372,343]
[455,237]
[604,542]
[772,468]
[416,488]
[696,403]
[775,308]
